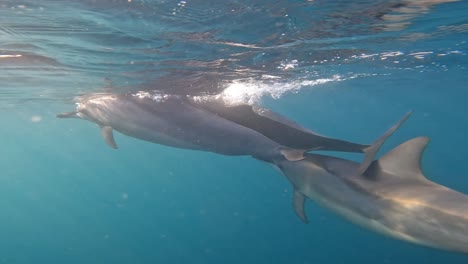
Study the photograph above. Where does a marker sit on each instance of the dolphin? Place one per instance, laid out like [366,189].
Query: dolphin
[273,125]
[390,196]
[207,124]
[171,120]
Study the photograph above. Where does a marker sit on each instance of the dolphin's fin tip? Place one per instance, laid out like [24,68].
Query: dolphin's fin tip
[371,151]
[293,154]
[298,204]
[108,136]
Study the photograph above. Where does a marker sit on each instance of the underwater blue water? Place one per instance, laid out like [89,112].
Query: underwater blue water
[342,68]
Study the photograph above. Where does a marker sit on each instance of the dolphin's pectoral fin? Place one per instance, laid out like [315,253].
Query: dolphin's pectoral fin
[371,151]
[293,154]
[68,115]
[106,132]
[298,204]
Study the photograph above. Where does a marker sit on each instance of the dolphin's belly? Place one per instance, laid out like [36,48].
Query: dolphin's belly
[153,135]
[362,211]
[332,193]
[428,223]
[412,220]
[339,196]
[187,127]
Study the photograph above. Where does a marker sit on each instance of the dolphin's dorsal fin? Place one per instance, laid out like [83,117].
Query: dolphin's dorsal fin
[106,132]
[371,151]
[405,160]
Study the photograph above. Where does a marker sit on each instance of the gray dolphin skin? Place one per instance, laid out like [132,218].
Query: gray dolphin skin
[209,125]
[390,196]
[274,126]
[173,121]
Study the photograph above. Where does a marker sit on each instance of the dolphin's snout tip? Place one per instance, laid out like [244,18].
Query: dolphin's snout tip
[67,115]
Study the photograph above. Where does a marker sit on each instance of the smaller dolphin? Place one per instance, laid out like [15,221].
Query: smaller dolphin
[273,125]
[390,196]
[173,121]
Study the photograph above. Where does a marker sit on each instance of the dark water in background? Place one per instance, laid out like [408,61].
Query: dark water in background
[344,69]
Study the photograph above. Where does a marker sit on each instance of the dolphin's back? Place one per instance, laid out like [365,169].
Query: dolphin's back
[276,127]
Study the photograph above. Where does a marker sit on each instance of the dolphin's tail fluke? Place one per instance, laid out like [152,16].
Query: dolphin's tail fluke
[371,151]
[293,154]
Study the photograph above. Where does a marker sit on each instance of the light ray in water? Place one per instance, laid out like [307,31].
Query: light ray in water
[251,91]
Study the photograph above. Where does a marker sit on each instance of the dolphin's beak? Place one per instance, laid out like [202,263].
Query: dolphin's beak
[68,115]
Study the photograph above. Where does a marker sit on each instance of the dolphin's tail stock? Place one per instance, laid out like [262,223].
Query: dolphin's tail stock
[371,151]
[68,115]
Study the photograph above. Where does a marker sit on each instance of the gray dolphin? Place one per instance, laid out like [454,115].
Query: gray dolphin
[283,130]
[171,120]
[203,124]
[391,196]
[274,126]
